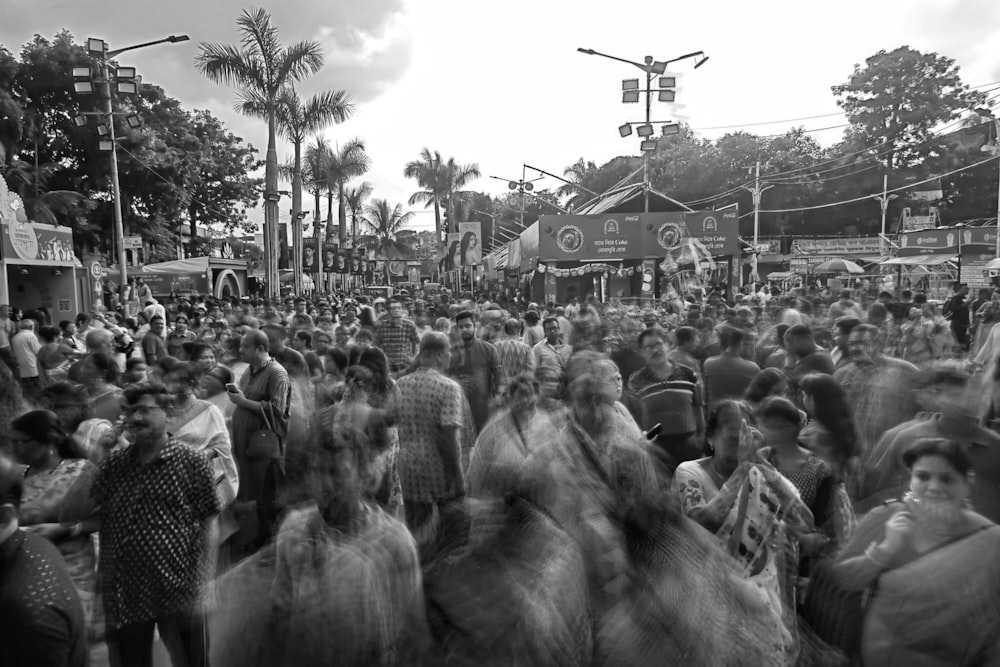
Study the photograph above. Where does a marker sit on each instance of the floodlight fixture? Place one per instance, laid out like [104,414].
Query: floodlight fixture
[528,187]
[106,145]
[630,97]
[512,185]
[630,84]
[668,82]
[125,73]
[625,130]
[644,131]
[177,38]
[83,87]
[133,121]
[81,72]
[670,129]
[80,121]
[96,46]
[701,62]
[103,130]
[658,67]
[648,145]
[127,87]
[667,95]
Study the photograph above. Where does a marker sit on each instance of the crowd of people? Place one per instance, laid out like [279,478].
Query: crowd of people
[781,478]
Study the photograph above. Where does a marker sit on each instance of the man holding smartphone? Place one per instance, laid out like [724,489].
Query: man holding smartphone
[262,401]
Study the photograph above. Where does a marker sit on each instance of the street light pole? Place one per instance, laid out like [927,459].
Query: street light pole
[883,201]
[108,110]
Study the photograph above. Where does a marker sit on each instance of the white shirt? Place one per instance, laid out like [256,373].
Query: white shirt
[25,347]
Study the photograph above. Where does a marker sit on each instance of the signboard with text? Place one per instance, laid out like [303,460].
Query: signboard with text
[944,240]
[616,237]
[37,244]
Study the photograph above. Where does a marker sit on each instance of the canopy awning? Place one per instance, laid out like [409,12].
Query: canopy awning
[178,266]
[920,260]
[992,264]
[782,275]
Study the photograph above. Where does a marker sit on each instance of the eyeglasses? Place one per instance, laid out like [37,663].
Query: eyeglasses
[20,441]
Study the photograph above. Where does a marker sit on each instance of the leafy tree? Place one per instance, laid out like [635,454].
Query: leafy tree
[384,221]
[898,98]
[260,70]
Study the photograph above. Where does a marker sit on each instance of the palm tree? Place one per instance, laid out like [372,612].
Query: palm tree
[260,68]
[298,118]
[454,178]
[356,197]
[342,164]
[385,221]
[427,174]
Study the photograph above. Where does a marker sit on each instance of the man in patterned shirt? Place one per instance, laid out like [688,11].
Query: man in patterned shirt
[158,507]
[428,413]
[516,357]
[397,337]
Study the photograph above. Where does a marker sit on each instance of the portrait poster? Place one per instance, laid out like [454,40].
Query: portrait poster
[452,253]
[470,244]
[330,258]
[310,261]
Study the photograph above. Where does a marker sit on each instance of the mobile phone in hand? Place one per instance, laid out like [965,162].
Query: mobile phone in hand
[652,433]
[232,388]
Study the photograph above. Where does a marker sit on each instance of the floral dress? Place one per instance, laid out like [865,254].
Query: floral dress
[62,495]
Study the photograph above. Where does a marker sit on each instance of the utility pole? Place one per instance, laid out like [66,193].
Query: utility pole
[757,191]
[883,201]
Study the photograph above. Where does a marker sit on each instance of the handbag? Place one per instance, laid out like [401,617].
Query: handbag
[265,443]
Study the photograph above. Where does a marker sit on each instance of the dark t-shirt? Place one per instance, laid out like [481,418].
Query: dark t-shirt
[293,362]
[727,377]
[41,620]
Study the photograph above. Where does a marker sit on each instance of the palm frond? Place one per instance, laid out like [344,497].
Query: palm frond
[298,61]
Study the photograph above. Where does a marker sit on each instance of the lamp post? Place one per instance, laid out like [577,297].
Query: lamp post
[631,92]
[126,83]
[883,201]
[523,185]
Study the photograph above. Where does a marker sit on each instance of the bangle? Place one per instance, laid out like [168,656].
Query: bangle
[870,554]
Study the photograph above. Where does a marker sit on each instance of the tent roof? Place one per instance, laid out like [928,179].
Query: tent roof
[177,266]
[629,199]
[920,260]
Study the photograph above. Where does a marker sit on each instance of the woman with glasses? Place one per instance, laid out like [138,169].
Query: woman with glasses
[56,497]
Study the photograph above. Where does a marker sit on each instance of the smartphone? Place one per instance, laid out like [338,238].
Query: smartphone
[653,432]
[232,388]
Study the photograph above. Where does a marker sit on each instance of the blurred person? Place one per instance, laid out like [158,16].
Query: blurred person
[155,555]
[830,433]
[777,355]
[54,356]
[516,358]
[40,612]
[302,343]
[136,370]
[202,354]
[200,425]
[768,382]
[925,335]
[429,417]
[341,583]
[212,388]
[534,333]
[927,564]
[877,386]
[7,330]
[99,374]
[840,354]
[292,360]
[397,336]
[956,311]
[476,367]
[25,347]
[72,405]
[728,375]
[684,351]
[948,398]
[69,336]
[154,346]
[804,355]
[442,325]
[55,499]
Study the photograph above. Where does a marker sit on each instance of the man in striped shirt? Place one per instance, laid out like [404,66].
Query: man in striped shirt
[670,395]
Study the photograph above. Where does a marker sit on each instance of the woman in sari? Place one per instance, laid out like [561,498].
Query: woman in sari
[69,402]
[830,433]
[503,445]
[56,497]
[99,375]
[202,426]
[929,566]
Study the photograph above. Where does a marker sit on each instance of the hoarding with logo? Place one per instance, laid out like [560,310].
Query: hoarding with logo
[616,237]
[944,240]
[37,244]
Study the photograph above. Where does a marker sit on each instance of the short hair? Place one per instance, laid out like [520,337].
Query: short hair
[135,392]
[846,324]
[651,331]
[531,317]
[132,362]
[523,381]
[550,320]
[433,343]
[685,335]
[780,407]
[364,334]
[187,372]
[64,324]
[106,367]
[865,328]
[885,295]
[304,336]
[222,373]
[730,336]
[763,383]
[465,315]
[155,318]
[799,331]
[512,326]
[952,452]
[49,334]
[194,349]
[258,338]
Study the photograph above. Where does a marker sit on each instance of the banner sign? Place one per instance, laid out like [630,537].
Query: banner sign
[948,240]
[616,237]
[470,243]
[451,259]
[37,244]
[310,262]
[837,246]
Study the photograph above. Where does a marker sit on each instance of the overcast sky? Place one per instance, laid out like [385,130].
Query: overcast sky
[502,84]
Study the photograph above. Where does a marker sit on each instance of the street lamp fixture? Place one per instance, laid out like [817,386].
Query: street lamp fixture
[648,145]
[107,146]
[97,47]
[81,73]
[704,59]
[127,87]
[79,121]
[102,130]
[133,121]
[125,73]
[630,97]
[668,82]
[83,87]
[630,84]
[625,130]
[644,131]
[667,95]
[670,129]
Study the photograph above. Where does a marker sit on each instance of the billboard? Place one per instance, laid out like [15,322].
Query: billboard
[614,237]
[451,259]
[944,240]
[470,243]
[310,262]
[38,244]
